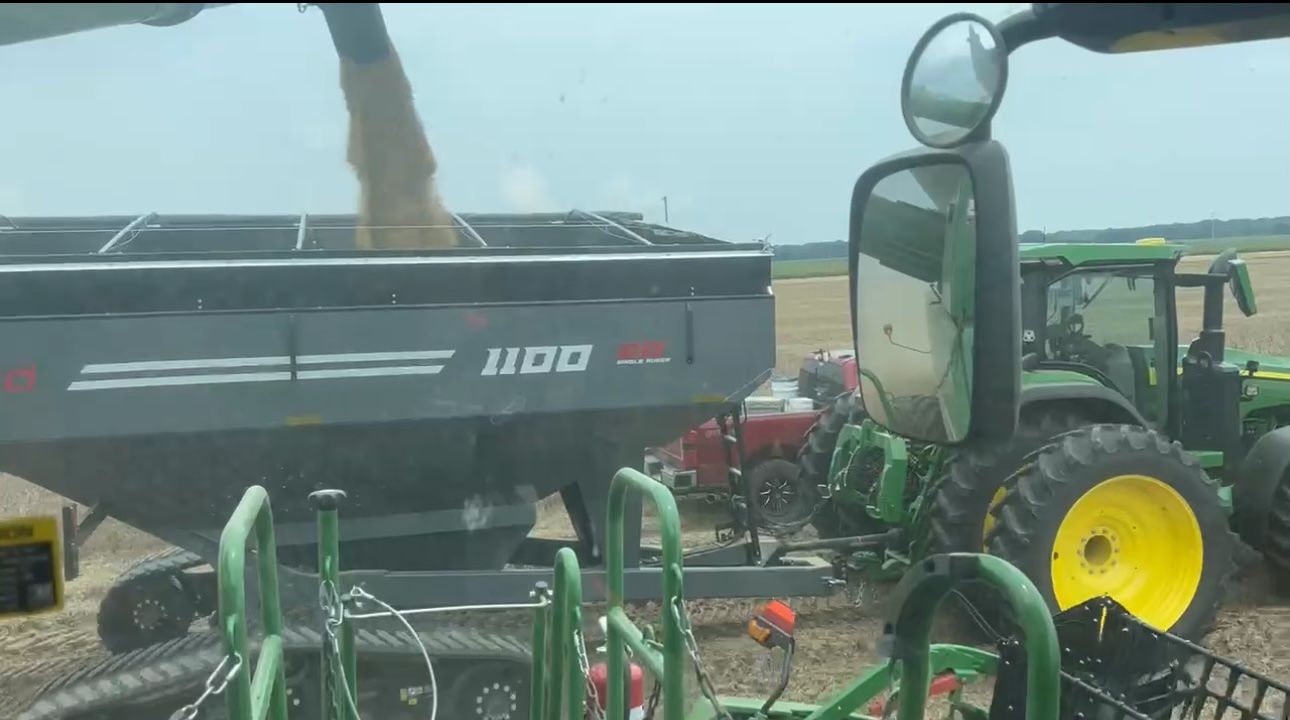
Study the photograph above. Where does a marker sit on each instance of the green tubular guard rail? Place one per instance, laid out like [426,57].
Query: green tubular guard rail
[557,681]
[668,665]
[265,694]
[909,628]
[326,504]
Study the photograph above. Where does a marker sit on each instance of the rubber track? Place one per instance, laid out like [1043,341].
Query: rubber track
[171,559]
[179,667]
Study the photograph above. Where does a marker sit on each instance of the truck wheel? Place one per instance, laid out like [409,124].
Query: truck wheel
[1119,510]
[782,494]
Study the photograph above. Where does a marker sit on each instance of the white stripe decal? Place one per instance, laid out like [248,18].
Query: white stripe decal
[201,364]
[369,372]
[375,357]
[248,377]
[172,380]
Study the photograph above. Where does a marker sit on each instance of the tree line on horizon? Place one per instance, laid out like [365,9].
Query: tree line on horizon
[1174,232]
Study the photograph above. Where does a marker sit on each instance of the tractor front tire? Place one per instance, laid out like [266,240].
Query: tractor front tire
[1119,510]
[814,459]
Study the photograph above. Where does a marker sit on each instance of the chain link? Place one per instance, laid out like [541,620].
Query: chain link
[216,683]
[692,647]
[654,694]
[889,707]
[584,666]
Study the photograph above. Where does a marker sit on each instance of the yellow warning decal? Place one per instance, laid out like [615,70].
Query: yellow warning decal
[31,566]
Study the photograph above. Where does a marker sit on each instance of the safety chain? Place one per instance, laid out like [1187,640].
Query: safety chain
[889,707]
[216,683]
[692,647]
[584,666]
[333,607]
[654,694]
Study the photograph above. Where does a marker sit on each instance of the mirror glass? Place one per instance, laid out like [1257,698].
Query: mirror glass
[953,82]
[915,297]
[1242,289]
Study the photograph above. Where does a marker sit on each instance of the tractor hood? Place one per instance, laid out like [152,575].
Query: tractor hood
[1271,367]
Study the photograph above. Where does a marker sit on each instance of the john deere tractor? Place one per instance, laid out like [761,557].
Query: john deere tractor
[1136,455]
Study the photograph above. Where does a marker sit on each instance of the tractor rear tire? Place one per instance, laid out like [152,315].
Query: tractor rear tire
[1276,539]
[1119,510]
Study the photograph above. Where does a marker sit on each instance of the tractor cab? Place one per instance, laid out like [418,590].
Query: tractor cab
[1107,312]
[1060,418]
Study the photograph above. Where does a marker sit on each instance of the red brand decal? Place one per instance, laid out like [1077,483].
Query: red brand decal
[20,380]
[643,353]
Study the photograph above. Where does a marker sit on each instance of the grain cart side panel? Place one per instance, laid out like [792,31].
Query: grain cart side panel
[423,386]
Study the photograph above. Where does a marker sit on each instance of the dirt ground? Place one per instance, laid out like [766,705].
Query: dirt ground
[836,638]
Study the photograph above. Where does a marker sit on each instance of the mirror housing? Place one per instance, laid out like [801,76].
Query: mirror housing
[1238,279]
[954,80]
[979,402]
[1141,27]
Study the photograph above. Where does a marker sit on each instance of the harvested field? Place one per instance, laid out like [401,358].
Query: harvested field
[835,638]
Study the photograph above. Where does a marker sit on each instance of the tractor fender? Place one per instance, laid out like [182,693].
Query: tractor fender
[1260,474]
[1097,402]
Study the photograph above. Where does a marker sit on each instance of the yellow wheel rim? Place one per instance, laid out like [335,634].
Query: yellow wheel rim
[989,522]
[1135,539]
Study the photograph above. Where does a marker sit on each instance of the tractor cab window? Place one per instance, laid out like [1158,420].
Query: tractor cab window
[1104,321]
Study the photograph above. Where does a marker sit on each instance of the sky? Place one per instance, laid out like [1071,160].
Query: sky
[753,120]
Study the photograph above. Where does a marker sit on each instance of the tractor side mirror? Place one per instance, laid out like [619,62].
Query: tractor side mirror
[1242,289]
[954,80]
[935,294]
[1238,278]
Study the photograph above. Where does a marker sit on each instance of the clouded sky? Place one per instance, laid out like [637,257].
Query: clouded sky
[753,120]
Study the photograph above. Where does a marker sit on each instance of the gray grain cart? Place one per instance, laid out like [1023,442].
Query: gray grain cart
[153,366]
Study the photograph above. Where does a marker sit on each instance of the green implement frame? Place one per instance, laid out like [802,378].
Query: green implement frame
[559,674]
[263,694]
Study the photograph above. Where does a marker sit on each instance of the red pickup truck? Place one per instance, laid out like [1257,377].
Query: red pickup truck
[773,429]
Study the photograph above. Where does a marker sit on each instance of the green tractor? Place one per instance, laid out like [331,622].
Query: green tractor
[1118,479]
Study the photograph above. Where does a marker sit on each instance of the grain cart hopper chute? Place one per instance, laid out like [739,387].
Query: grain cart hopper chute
[163,361]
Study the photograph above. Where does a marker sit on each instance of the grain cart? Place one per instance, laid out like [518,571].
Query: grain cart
[1134,457]
[154,362]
